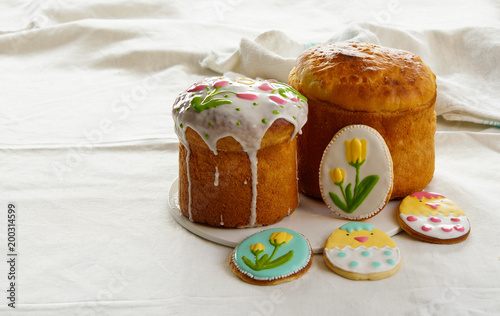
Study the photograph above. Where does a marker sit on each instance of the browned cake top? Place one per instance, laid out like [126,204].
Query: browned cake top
[363,77]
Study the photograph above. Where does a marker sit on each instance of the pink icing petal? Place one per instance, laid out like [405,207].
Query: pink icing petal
[247,96]
[446,229]
[426,228]
[455,219]
[277,99]
[221,83]
[266,87]
[435,219]
[294,99]
[272,80]
[197,87]
[459,228]
[411,219]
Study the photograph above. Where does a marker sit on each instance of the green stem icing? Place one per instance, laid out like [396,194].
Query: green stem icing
[198,104]
[361,190]
[266,262]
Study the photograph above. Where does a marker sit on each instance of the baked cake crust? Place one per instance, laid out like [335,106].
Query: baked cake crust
[364,77]
[394,93]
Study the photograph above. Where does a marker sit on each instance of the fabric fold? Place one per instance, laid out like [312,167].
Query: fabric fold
[463,60]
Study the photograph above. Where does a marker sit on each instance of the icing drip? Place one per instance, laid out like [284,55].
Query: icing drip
[189,181]
[252,155]
[216,181]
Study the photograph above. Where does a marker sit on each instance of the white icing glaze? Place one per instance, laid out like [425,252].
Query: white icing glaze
[188,152]
[436,230]
[365,263]
[378,162]
[225,118]
[252,107]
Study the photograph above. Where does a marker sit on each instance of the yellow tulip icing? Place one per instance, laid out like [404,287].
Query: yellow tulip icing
[356,173]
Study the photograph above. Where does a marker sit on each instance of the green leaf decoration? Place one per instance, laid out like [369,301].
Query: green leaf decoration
[364,188]
[250,264]
[348,194]
[279,261]
[260,262]
[198,105]
[336,200]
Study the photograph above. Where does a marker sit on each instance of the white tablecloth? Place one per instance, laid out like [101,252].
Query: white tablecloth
[88,153]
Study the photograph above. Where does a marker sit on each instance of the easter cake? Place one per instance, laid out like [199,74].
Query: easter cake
[388,89]
[238,150]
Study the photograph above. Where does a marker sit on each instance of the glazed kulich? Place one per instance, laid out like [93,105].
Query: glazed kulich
[238,151]
[388,89]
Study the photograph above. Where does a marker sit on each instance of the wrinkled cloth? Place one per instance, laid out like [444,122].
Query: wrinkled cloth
[88,154]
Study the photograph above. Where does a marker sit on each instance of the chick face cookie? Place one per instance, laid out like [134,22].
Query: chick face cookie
[356,173]
[359,251]
[433,218]
[271,257]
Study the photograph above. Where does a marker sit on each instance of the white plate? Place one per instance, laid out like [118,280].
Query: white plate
[312,218]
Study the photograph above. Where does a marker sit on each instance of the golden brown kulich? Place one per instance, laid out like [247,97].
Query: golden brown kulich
[388,89]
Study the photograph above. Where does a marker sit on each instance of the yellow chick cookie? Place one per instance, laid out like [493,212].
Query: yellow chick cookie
[359,251]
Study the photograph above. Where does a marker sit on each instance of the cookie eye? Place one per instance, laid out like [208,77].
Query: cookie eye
[347,234]
[372,234]
[420,201]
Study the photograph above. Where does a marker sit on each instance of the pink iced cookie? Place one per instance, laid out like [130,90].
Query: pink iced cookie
[433,218]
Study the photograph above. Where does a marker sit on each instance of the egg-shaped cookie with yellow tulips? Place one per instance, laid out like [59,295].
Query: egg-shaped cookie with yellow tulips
[433,218]
[356,173]
[359,251]
[271,257]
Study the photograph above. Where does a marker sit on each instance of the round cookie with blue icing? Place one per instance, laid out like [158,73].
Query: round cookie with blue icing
[271,257]
[359,251]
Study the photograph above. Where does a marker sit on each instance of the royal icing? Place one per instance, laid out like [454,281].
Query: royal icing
[272,254]
[361,248]
[356,173]
[434,215]
[364,260]
[242,108]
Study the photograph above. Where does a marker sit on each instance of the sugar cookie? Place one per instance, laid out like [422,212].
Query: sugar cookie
[271,257]
[359,251]
[433,218]
[356,175]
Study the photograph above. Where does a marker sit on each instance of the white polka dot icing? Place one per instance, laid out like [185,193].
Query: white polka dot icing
[364,260]
[356,173]
[242,108]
